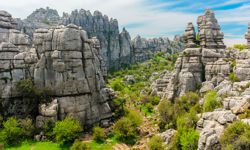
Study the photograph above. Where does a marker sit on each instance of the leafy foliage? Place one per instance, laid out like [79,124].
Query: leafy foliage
[99,134]
[211,101]
[156,143]
[27,89]
[67,130]
[11,132]
[27,127]
[236,136]
[79,145]
[233,77]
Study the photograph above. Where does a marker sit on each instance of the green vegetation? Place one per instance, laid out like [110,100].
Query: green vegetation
[28,90]
[233,77]
[240,46]
[211,101]
[79,145]
[156,143]
[236,137]
[11,132]
[67,130]
[99,134]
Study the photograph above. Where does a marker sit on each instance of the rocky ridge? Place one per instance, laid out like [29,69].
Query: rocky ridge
[63,59]
[117,49]
[207,64]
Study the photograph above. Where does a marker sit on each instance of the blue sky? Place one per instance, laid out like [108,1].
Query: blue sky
[151,18]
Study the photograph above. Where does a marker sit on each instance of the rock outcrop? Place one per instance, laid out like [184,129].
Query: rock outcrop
[63,59]
[198,64]
[117,49]
[207,65]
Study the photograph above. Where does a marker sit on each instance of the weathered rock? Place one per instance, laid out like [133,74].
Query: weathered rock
[190,36]
[209,31]
[212,125]
[70,65]
[167,135]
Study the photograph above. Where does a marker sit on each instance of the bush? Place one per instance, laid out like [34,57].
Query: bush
[167,114]
[99,134]
[28,128]
[240,46]
[188,120]
[211,101]
[11,132]
[48,129]
[186,102]
[67,130]
[79,145]
[236,136]
[189,139]
[134,117]
[150,107]
[27,89]
[233,77]
[125,130]
[156,143]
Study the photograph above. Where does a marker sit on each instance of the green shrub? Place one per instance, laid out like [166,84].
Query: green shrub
[187,120]
[236,136]
[233,77]
[167,114]
[99,134]
[28,90]
[184,103]
[135,118]
[125,131]
[11,132]
[189,139]
[156,143]
[28,128]
[240,46]
[155,100]
[150,107]
[48,129]
[79,145]
[211,101]
[67,130]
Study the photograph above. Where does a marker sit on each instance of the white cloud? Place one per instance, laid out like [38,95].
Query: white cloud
[153,20]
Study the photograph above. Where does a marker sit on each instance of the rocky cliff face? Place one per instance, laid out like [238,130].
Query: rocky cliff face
[117,49]
[63,59]
[206,63]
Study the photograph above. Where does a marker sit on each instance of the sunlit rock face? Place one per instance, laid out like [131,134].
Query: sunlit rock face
[62,59]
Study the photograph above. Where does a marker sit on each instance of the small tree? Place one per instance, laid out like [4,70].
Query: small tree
[135,118]
[125,131]
[99,134]
[28,128]
[156,143]
[236,136]
[211,101]
[79,145]
[11,132]
[67,130]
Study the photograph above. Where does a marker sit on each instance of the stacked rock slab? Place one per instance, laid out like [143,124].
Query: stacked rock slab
[62,59]
[190,36]
[16,61]
[247,36]
[116,48]
[209,31]
[196,65]
[69,64]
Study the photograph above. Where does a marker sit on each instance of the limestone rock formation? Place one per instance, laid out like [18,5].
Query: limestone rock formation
[116,48]
[209,31]
[62,58]
[190,36]
[247,36]
[212,125]
[40,18]
[196,65]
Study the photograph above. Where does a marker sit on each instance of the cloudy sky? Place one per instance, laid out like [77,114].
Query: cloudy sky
[150,18]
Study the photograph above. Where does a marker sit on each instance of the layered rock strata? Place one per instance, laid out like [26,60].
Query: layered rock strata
[117,49]
[63,59]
